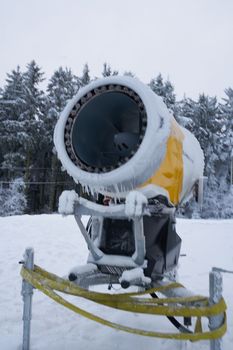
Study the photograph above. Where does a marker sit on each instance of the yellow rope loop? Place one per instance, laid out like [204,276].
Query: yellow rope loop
[48,282]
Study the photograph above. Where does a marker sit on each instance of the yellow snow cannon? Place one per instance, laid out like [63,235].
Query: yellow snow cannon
[117,138]
[117,135]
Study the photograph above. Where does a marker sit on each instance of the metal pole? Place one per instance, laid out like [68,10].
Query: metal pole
[215,290]
[27,292]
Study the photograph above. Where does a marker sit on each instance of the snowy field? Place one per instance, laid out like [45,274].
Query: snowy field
[59,246]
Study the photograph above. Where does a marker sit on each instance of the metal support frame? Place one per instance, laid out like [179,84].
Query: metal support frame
[27,292]
[95,251]
[97,256]
[215,290]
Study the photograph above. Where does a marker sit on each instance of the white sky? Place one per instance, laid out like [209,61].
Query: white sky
[189,41]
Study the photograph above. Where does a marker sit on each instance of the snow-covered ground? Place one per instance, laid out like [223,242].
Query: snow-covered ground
[59,246]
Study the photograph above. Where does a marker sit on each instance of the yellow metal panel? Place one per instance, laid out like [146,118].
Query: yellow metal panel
[170,173]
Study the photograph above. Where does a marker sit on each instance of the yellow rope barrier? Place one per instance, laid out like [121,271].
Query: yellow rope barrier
[47,283]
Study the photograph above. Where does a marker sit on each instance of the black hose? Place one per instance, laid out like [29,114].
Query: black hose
[173,320]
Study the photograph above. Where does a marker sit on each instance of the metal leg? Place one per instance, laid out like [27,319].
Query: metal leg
[27,292]
[215,289]
[95,251]
[140,249]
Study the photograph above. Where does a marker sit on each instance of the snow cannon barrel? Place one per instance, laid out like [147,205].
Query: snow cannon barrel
[117,135]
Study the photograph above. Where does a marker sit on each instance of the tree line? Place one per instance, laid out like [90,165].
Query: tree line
[31,176]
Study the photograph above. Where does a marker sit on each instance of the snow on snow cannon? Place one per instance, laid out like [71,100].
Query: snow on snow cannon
[117,138]
[117,135]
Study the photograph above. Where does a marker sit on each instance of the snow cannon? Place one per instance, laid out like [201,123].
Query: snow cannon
[117,135]
[117,138]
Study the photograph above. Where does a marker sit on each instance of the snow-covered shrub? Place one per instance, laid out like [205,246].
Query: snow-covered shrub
[218,203]
[12,199]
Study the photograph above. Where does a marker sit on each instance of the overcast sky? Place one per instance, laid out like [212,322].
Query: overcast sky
[188,41]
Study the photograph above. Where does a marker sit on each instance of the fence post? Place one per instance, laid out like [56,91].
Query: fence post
[27,292]
[215,290]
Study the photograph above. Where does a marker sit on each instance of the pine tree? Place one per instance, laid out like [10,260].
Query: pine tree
[226,153]
[226,111]
[169,95]
[206,121]
[85,78]
[156,85]
[185,113]
[165,90]
[34,99]
[12,105]
[32,122]
[206,129]
[107,71]
[62,87]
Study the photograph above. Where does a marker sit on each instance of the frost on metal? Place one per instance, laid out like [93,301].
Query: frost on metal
[135,201]
[136,274]
[83,269]
[66,202]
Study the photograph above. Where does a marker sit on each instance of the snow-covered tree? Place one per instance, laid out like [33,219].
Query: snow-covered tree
[206,127]
[12,105]
[31,119]
[34,99]
[207,122]
[226,110]
[107,70]
[164,89]
[62,87]
[225,151]
[185,112]
[12,199]
[85,77]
